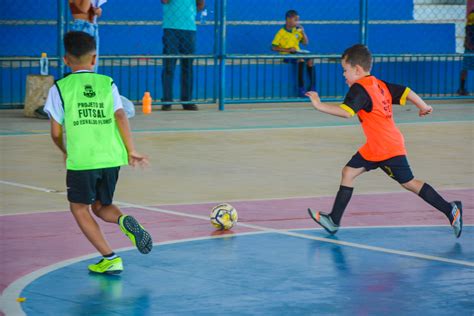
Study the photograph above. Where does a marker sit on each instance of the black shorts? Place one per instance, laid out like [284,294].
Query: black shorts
[396,167]
[89,186]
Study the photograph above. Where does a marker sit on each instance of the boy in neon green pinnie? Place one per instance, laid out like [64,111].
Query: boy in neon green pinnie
[99,142]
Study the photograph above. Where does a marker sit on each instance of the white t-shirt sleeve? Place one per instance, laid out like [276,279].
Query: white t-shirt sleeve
[54,105]
[117,100]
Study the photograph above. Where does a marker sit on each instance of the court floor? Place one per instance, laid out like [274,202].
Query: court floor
[394,254]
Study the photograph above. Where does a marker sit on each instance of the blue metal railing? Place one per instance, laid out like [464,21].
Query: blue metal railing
[13,73]
[267,78]
[136,74]
[248,78]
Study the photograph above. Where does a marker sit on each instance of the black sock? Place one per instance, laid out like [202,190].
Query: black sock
[110,256]
[342,199]
[432,197]
[310,69]
[300,75]
[118,221]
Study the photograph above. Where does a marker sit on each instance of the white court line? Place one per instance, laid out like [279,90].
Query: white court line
[380,226]
[276,127]
[304,197]
[15,184]
[14,290]
[212,202]
[255,129]
[277,231]
[10,306]
[299,235]
[62,210]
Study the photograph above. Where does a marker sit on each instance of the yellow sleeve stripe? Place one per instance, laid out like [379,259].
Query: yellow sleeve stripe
[347,109]
[403,99]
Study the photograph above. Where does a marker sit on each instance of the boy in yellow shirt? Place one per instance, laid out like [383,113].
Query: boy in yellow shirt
[287,41]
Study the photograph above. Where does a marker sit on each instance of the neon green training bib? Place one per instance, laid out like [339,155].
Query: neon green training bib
[92,136]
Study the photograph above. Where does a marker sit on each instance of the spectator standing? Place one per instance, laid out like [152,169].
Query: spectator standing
[468,61]
[85,14]
[179,38]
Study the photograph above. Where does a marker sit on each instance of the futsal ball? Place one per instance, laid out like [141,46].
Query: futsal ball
[223,216]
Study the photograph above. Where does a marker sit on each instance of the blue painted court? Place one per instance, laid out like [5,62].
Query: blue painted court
[274,273]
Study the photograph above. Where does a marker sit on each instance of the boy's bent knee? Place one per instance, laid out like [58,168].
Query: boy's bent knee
[79,210]
[349,172]
[78,206]
[96,207]
[413,185]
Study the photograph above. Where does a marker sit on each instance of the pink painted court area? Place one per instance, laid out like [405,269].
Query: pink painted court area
[32,241]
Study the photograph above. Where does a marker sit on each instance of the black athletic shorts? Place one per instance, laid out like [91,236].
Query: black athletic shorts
[89,186]
[396,167]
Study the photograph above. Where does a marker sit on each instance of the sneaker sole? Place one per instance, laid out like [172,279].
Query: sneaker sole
[314,219]
[143,240]
[113,272]
[459,205]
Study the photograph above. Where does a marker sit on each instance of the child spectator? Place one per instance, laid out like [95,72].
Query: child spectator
[287,41]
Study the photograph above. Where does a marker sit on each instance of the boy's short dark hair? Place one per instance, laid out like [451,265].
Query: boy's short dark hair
[290,14]
[358,55]
[79,44]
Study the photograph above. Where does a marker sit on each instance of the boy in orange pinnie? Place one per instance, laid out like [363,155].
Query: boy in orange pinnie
[371,99]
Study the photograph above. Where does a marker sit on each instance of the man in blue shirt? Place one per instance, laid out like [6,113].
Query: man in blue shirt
[468,61]
[179,37]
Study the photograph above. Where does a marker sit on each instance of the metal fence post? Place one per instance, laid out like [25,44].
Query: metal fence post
[216,51]
[61,32]
[222,54]
[364,21]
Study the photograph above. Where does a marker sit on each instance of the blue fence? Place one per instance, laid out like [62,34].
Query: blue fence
[251,78]
[417,53]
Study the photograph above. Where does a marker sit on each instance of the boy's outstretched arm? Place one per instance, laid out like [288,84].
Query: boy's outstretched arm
[326,108]
[134,157]
[424,108]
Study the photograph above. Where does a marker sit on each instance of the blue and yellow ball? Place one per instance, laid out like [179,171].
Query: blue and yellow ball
[223,216]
